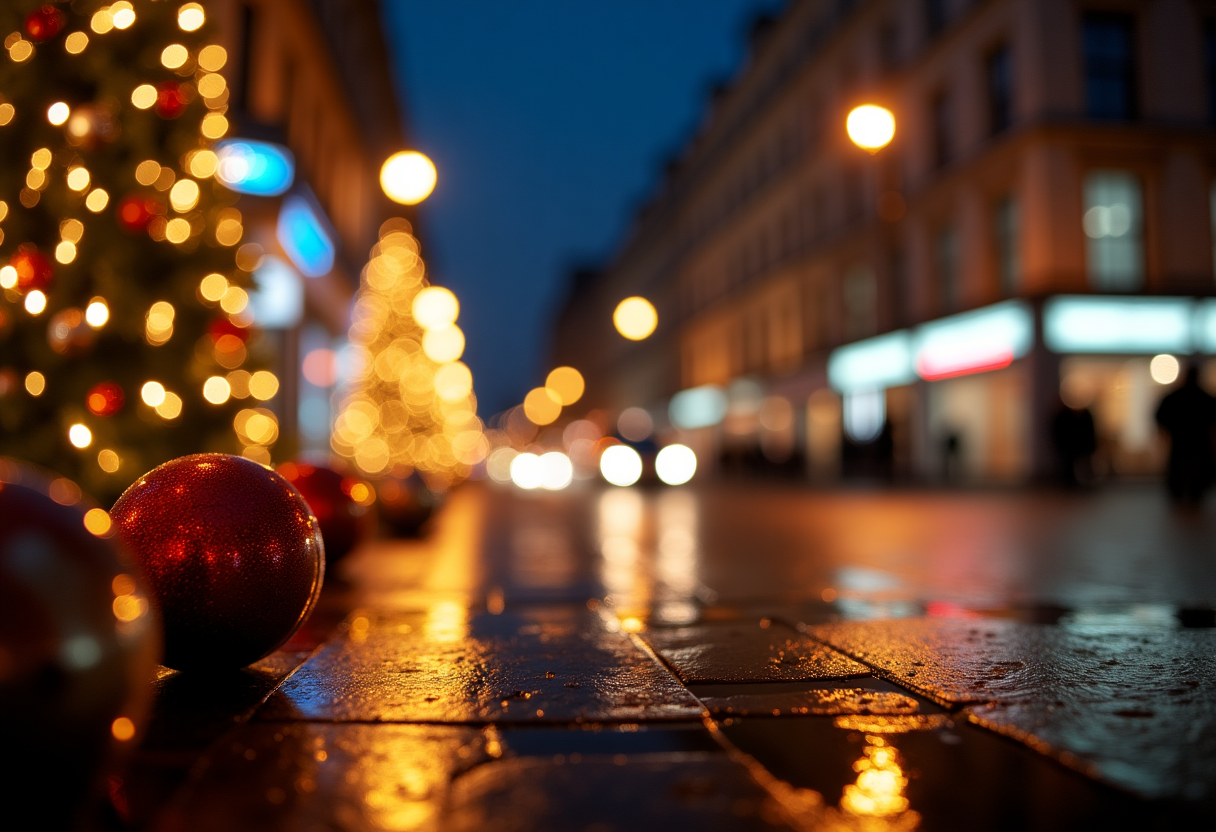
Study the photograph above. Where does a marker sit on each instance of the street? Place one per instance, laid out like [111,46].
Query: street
[738,657]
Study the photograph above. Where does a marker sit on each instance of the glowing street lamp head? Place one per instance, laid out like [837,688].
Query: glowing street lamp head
[635,318]
[408,177]
[871,127]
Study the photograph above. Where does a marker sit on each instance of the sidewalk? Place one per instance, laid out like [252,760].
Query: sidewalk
[675,659]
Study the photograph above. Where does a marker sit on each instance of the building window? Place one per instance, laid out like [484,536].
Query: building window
[1209,64]
[1114,232]
[1110,71]
[860,296]
[946,255]
[935,16]
[1000,90]
[1006,223]
[940,118]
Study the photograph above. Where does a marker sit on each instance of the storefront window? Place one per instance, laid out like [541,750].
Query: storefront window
[1113,223]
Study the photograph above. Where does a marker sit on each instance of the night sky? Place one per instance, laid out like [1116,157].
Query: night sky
[548,121]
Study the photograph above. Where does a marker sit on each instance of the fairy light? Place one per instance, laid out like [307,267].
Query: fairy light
[58,113]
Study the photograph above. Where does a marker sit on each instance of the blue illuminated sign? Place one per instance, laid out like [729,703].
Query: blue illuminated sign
[1090,324]
[873,364]
[698,407]
[303,235]
[277,300]
[257,168]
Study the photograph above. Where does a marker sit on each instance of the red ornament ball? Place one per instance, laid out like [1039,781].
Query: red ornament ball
[79,641]
[136,212]
[232,553]
[171,99]
[105,399]
[34,271]
[339,503]
[44,23]
[220,327]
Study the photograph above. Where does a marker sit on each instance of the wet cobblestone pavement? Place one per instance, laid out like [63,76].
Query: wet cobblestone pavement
[742,659]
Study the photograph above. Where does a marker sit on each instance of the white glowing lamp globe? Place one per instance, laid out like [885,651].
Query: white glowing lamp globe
[408,177]
[871,127]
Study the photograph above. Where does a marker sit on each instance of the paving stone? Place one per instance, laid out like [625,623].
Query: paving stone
[576,741]
[828,700]
[752,651]
[324,776]
[1130,704]
[451,664]
[703,792]
[936,776]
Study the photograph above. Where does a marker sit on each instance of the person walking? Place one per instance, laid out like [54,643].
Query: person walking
[1188,415]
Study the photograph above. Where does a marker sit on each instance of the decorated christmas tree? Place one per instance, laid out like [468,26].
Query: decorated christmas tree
[124,334]
[411,405]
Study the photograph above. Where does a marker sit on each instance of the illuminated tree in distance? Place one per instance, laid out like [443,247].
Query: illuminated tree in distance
[411,405]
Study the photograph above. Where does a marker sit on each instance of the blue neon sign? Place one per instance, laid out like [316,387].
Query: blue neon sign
[304,238]
[256,168]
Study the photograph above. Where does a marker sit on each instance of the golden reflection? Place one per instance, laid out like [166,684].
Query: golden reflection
[677,561]
[881,783]
[447,622]
[621,528]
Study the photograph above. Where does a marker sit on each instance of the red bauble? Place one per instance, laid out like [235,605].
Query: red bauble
[171,99]
[105,399]
[79,639]
[34,271]
[44,23]
[331,496]
[233,556]
[136,212]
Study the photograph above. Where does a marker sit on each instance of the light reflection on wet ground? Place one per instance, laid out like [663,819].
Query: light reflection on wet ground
[852,661]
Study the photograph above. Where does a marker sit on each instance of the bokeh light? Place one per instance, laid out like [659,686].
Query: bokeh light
[635,424]
[676,464]
[567,384]
[527,471]
[870,127]
[557,472]
[635,318]
[541,406]
[408,177]
[435,308]
[80,436]
[1164,369]
[621,465]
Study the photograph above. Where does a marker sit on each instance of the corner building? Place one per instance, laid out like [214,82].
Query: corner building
[1040,228]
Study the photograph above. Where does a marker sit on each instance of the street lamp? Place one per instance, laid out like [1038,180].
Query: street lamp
[871,127]
[408,177]
[635,318]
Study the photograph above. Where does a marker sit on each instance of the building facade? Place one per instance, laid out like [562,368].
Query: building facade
[1039,229]
[312,78]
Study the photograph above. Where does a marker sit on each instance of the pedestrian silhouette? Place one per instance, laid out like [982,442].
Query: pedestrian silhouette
[1075,440]
[1188,415]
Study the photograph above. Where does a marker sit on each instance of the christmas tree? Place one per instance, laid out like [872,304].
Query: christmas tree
[411,405]
[124,337]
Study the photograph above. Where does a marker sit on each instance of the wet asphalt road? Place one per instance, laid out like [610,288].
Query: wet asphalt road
[730,658]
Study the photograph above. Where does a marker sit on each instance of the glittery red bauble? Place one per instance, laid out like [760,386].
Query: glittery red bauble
[79,643]
[331,496]
[105,399]
[171,99]
[136,212]
[44,23]
[34,271]
[233,556]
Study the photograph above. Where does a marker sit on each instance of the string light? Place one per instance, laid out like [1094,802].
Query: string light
[58,113]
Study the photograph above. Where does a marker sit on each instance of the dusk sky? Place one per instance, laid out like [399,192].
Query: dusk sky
[548,121]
